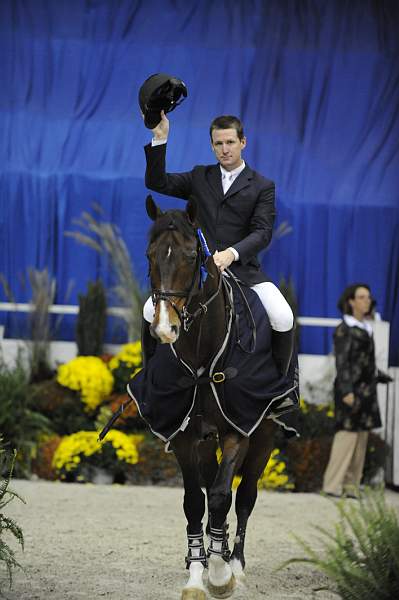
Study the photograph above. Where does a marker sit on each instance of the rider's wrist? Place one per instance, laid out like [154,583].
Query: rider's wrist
[157,141]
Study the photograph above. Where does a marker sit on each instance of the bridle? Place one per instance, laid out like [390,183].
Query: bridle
[187,318]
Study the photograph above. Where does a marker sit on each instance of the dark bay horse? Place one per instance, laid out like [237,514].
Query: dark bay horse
[194,317]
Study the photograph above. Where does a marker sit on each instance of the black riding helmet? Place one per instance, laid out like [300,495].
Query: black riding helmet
[160,92]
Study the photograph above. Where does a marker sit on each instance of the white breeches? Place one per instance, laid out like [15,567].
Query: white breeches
[274,303]
[279,311]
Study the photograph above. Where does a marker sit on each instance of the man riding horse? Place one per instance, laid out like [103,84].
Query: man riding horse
[211,382]
[236,212]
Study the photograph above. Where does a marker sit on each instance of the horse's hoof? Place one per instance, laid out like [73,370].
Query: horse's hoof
[193,594]
[222,591]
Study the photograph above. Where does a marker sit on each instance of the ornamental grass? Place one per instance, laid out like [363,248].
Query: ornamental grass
[361,556]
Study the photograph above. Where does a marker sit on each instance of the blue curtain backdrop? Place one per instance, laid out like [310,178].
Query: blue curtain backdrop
[315,82]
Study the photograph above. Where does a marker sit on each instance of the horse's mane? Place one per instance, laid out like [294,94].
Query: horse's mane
[172,220]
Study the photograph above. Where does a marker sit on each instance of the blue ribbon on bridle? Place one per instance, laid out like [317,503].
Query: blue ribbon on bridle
[205,254]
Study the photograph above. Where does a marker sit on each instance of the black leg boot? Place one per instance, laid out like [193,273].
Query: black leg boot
[148,343]
[282,348]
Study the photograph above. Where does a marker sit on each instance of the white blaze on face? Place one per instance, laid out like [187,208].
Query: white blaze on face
[164,328]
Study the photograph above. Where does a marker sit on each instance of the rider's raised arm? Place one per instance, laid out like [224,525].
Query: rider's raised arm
[156,177]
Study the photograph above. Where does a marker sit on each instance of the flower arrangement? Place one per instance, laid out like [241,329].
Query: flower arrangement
[82,449]
[88,375]
[275,476]
[307,456]
[125,365]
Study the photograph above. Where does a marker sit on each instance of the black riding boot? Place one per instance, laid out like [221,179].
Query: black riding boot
[148,343]
[282,348]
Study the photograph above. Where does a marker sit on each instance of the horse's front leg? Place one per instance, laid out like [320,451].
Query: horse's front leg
[209,467]
[221,582]
[260,448]
[185,448]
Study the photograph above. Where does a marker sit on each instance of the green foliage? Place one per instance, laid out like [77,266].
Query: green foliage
[126,364]
[61,406]
[90,325]
[18,421]
[361,557]
[315,420]
[7,525]
[122,375]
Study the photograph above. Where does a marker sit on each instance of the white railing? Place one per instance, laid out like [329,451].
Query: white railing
[311,366]
[57,309]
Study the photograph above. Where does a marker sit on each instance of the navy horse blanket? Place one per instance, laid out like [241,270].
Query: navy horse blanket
[247,387]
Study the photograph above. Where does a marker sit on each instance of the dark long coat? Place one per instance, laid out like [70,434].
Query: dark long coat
[242,218]
[356,372]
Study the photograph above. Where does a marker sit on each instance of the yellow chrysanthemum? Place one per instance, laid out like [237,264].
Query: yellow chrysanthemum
[79,446]
[130,354]
[303,405]
[89,375]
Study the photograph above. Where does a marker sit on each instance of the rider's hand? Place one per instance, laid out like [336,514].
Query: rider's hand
[349,399]
[161,131]
[223,259]
[383,377]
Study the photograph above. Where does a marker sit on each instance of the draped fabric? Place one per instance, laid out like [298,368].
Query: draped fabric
[315,83]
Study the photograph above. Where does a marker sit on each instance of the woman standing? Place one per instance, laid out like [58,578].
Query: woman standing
[355,390]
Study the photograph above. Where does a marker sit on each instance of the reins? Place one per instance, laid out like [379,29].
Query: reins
[237,319]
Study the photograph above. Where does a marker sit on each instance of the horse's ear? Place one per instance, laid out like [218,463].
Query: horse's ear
[153,211]
[191,209]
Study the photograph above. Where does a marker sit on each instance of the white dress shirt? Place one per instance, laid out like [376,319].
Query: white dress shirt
[228,177]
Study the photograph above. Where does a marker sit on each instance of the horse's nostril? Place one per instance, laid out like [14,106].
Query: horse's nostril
[175,329]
